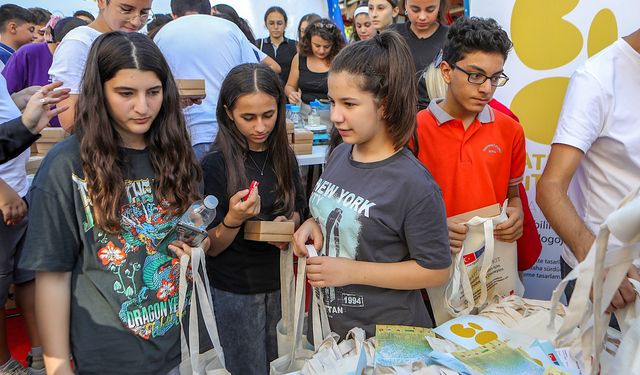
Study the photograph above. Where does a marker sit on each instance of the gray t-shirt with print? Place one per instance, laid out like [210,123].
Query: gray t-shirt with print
[385,212]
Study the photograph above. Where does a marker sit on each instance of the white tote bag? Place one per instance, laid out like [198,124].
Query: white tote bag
[483,269]
[193,362]
[297,351]
[284,328]
[602,271]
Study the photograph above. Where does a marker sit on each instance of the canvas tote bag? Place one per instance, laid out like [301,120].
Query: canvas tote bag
[602,271]
[193,362]
[483,269]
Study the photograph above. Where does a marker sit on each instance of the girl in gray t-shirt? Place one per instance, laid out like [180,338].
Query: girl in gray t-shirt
[378,216]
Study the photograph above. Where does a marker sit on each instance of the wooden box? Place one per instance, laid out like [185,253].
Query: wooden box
[269,231]
[34,163]
[302,148]
[49,138]
[302,136]
[191,87]
[290,126]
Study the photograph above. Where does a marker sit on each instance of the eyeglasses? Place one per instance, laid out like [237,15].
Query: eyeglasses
[479,78]
[144,16]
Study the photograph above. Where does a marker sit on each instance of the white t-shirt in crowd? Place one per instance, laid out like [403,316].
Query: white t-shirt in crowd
[600,117]
[70,57]
[14,171]
[204,47]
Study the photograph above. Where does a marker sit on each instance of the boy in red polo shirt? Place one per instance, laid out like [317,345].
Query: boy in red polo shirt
[475,154]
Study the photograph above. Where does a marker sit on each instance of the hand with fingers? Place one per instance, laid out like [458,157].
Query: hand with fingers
[180,248]
[41,107]
[308,231]
[295,97]
[511,229]
[457,234]
[626,293]
[242,210]
[12,207]
[281,245]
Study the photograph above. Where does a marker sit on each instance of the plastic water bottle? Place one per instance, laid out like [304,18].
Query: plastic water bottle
[201,213]
[288,111]
[296,117]
[314,115]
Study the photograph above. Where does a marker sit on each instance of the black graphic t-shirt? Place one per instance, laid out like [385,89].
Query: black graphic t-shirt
[385,212]
[247,267]
[124,293]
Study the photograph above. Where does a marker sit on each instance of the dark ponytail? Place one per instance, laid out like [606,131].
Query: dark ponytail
[385,69]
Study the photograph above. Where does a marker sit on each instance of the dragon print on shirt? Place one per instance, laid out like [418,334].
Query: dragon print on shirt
[145,280]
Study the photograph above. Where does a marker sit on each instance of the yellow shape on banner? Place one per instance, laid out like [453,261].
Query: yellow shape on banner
[603,32]
[461,331]
[486,337]
[541,37]
[538,106]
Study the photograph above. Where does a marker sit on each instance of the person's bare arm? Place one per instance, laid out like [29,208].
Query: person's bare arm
[291,88]
[271,63]
[53,301]
[239,211]
[325,271]
[551,196]
[67,117]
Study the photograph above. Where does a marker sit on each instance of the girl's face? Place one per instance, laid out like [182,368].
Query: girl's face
[303,27]
[125,15]
[423,14]
[276,25]
[382,13]
[320,47]
[355,113]
[364,26]
[134,98]
[255,116]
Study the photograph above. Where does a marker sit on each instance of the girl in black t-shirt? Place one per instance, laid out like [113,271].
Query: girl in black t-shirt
[251,145]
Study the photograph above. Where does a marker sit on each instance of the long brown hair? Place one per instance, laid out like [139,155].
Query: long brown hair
[242,80]
[177,173]
[326,30]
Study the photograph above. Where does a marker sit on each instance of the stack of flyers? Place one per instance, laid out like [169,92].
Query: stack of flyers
[402,345]
[472,331]
[497,358]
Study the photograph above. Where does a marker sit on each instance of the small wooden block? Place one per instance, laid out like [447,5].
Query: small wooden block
[53,135]
[290,126]
[290,137]
[302,136]
[269,227]
[191,87]
[302,148]
[268,237]
[44,147]
[34,163]
[34,148]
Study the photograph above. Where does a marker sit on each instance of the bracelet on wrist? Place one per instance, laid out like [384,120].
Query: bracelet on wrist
[230,226]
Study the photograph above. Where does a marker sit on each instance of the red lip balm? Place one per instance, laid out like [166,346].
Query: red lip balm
[254,184]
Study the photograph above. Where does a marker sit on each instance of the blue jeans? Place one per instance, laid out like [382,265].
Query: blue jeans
[201,149]
[247,329]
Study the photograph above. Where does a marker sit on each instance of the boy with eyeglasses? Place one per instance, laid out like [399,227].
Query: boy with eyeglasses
[71,55]
[476,154]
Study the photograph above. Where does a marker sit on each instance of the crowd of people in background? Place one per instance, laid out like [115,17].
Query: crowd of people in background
[417,139]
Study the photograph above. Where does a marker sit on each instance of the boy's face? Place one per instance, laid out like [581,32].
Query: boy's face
[25,33]
[469,96]
[125,15]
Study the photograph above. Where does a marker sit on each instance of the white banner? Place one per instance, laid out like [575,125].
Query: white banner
[551,39]
[251,10]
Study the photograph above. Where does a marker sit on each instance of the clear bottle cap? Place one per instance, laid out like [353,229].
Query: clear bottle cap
[210,202]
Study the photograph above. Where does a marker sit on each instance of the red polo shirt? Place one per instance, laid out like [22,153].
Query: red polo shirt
[476,166]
